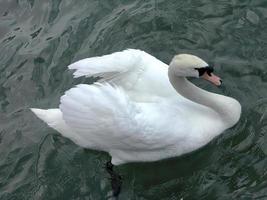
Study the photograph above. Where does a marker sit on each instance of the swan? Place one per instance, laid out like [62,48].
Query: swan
[142,109]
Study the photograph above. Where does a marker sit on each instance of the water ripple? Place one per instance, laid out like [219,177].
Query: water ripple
[40,38]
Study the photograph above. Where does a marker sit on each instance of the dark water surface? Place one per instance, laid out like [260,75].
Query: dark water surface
[39,38]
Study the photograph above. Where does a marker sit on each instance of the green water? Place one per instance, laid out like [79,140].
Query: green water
[39,38]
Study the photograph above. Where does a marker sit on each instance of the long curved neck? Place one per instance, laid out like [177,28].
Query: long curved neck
[227,108]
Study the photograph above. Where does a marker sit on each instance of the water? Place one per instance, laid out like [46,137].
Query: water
[40,38]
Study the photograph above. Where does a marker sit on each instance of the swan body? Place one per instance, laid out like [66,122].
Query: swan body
[142,109]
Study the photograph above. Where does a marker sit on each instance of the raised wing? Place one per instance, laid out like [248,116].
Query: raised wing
[109,65]
[141,75]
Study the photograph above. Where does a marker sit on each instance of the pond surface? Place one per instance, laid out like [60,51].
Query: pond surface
[39,38]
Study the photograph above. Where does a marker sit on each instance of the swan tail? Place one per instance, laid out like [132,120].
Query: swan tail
[52,117]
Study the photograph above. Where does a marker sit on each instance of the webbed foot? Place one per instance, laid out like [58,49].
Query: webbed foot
[115,179]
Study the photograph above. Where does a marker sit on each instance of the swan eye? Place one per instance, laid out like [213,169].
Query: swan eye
[207,69]
[201,70]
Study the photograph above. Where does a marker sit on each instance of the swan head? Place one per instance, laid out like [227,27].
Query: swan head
[187,65]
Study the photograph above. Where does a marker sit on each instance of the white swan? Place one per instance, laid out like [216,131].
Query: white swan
[142,109]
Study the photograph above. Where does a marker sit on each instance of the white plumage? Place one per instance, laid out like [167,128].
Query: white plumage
[134,113]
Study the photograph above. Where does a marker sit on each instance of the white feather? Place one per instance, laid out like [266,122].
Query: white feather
[118,62]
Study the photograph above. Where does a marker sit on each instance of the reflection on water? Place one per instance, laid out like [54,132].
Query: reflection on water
[40,38]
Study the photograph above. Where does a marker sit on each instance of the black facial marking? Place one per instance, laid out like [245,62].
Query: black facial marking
[202,70]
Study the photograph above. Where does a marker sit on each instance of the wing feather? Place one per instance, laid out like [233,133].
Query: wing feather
[101,112]
[108,66]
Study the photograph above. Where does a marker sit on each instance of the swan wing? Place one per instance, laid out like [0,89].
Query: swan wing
[103,116]
[112,65]
[139,74]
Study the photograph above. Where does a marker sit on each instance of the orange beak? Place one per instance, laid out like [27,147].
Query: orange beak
[212,78]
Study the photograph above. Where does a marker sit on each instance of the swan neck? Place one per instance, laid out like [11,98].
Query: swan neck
[227,108]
